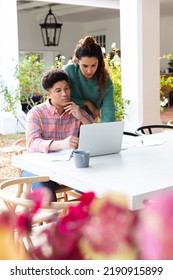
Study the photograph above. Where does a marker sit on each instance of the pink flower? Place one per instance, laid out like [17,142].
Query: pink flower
[39,196]
[24,222]
[58,246]
[77,215]
[7,220]
[155,229]
[24,219]
[62,238]
[109,228]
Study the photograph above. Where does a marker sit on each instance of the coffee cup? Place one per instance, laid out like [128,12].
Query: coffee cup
[81,158]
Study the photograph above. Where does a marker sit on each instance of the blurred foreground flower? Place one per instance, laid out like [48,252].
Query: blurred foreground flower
[155,229]
[9,248]
[109,233]
[96,228]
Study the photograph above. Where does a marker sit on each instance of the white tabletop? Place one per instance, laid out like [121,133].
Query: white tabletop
[138,171]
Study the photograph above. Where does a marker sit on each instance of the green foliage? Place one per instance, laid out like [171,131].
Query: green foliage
[59,61]
[167,56]
[165,81]
[113,63]
[29,72]
[9,98]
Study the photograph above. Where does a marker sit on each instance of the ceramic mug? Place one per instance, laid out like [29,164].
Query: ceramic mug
[81,158]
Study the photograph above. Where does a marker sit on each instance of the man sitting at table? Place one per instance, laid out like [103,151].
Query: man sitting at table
[54,125]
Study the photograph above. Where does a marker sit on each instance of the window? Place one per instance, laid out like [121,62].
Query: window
[101,40]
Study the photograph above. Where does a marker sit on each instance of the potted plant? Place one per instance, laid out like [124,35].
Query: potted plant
[29,93]
[29,71]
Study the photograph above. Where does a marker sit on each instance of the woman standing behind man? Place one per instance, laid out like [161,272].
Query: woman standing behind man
[89,81]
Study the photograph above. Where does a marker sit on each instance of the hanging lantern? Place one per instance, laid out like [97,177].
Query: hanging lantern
[51,30]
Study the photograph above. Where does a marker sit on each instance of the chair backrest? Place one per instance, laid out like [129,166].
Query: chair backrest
[19,146]
[153,128]
[24,187]
[13,190]
[131,133]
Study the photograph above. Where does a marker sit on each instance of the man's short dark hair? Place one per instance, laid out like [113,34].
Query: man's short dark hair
[53,76]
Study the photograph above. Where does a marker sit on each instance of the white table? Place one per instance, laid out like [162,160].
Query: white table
[137,172]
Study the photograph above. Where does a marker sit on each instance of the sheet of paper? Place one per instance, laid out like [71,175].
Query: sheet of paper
[140,141]
[145,142]
[62,155]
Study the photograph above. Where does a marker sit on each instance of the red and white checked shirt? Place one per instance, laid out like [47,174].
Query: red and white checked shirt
[44,124]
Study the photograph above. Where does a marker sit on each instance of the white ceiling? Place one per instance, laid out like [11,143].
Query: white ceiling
[82,13]
[67,12]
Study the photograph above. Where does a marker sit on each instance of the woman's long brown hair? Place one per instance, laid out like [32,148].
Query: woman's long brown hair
[88,47]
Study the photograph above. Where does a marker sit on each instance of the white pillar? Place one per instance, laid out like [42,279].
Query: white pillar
[9,57]
[9,41]
[140,52]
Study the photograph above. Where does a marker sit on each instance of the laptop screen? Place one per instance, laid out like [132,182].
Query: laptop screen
[101,138]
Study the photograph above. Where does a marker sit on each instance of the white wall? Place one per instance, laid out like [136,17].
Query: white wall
[109,27]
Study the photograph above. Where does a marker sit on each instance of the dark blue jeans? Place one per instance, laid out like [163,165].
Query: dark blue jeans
[52,186]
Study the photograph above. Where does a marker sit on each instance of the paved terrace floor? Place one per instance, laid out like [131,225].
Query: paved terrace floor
[167,114]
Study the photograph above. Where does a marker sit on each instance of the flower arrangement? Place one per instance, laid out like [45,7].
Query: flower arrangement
[95,229]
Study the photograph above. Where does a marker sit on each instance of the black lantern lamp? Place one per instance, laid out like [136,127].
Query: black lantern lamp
[51,30]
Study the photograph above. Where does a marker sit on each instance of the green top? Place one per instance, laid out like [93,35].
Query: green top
[83,89]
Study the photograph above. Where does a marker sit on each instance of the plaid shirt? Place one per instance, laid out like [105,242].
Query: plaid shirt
[44,124]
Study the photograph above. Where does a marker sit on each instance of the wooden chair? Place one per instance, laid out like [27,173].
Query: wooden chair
[18,203]
[63,192]
[153,128]
[14,190]
[170,123]
[12,201]
[19,146]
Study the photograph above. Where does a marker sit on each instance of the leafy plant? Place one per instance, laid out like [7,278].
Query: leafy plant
[113,62]
[29,72]
[59,61]
[165,82]
[9,98]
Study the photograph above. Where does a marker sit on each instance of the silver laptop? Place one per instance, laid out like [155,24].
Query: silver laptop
[101,138]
